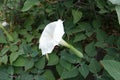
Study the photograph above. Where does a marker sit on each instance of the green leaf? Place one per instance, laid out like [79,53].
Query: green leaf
[4,59]
[37,77]
[118,43]
[94,66]
[117,2]
[112,51]
[10,70]
[112,67]
[4,74]
[84,70]
[77,15]
[90,49]
[89,33]
[13,48]
[48,75]
[18,70]
[29,64]
[68,4]
[29,37]
[27,50]
[101,35]
[100,44]
[111,40]
[65,64]
[28,22]
[109,57]
[10,38]
[25,76]
[79,37]
[1,5]
[36,71]
[21,61]
[40,64]
[106,76]
[53,59]
[4,51]
[69,74]
[101,5]
[118,11]
[84,26]
[13,56]
[59,69]
[29,4]
[96,23]
[15,35]
[71,58]
[2,38]
[21,51]
[34,53]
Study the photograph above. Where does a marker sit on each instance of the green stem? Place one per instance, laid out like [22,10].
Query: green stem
[78,53]
[7,34]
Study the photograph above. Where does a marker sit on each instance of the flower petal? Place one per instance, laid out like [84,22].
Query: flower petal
[59,31]
[51,36]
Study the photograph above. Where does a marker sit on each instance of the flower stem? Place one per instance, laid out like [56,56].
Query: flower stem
[7,34]
[78,53]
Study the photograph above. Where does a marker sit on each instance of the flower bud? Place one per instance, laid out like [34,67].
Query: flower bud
[4,23]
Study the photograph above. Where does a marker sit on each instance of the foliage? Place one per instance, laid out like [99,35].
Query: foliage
[114,72]
[92,26]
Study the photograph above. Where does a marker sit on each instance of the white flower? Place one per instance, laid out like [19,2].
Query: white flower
[52,36]
[4,23]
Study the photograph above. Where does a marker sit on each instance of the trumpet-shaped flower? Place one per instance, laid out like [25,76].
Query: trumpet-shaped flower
[52,36]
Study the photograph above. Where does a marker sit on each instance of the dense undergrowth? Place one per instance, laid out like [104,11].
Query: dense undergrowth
[92,26]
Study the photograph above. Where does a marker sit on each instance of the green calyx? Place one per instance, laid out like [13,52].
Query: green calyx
[77,52]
